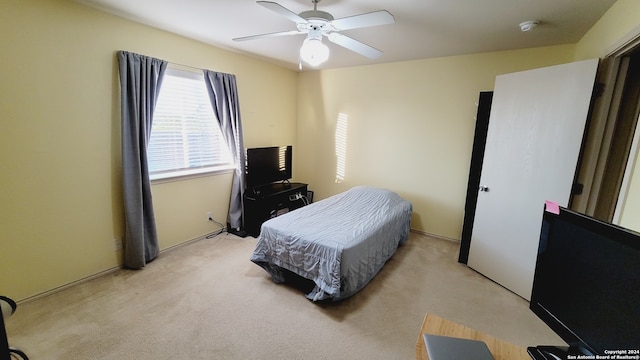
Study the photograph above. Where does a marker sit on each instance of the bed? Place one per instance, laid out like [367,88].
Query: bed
[340,243]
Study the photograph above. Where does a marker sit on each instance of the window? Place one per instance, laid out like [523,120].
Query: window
[185,135]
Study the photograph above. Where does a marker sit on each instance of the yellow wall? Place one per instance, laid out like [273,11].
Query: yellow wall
[411,124]
[630,213]
[410,127]
[619,24]
[60,193]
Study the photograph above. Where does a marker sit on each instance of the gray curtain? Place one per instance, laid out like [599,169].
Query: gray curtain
[140,79]
[226,106]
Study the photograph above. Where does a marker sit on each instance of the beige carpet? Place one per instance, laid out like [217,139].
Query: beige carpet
[206,300]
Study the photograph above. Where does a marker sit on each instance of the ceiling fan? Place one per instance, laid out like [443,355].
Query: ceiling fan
[317,24]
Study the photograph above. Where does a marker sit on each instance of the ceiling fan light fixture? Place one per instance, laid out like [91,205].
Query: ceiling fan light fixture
[314,52]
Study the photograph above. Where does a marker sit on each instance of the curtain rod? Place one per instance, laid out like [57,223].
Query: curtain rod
[185,66]
[191,68]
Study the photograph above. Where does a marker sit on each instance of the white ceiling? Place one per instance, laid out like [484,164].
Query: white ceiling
[422,29]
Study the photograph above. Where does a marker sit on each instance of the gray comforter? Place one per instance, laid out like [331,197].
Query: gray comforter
[340,242]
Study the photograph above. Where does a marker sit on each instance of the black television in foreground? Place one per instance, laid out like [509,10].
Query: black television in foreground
[266,165]
[586,287]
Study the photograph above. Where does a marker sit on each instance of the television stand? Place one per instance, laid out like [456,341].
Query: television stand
[268,201]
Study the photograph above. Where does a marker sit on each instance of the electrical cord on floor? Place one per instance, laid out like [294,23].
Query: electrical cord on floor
[216,233]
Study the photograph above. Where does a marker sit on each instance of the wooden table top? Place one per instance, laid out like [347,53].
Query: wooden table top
[436,325]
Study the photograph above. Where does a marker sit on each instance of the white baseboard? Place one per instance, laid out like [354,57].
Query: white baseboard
[107,271]
[68,285]
[435,236]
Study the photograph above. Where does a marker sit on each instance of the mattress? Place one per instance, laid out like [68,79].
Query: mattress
[340,243]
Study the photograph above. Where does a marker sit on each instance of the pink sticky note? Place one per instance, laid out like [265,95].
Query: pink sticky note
[552,207]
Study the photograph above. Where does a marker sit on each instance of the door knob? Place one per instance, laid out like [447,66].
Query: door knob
[484,188]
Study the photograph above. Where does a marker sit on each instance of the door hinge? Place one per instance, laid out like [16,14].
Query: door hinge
[598,90]
[576,189]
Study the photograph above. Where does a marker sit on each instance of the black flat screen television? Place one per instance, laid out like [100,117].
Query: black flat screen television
[266,165]
[586,286]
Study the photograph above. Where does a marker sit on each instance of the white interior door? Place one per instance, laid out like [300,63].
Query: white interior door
[535,131]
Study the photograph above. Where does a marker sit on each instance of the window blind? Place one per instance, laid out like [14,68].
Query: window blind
[185,133]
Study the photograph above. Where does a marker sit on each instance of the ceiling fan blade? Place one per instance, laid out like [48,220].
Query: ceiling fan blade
[280,33]
[354,45]
[281,10]
[381,17]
